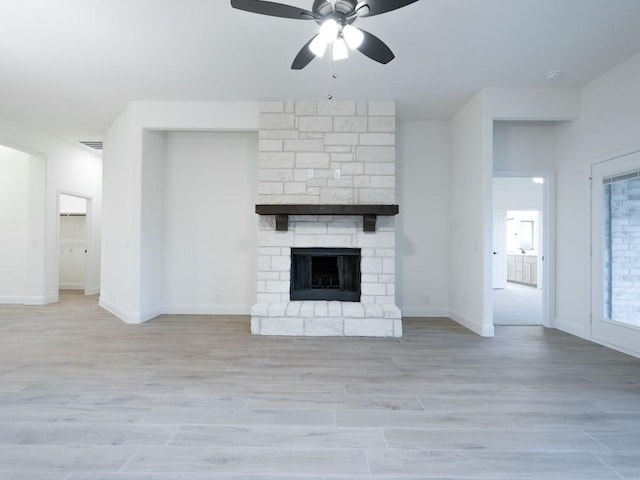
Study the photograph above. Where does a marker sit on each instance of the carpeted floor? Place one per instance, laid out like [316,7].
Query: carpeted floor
[517,305]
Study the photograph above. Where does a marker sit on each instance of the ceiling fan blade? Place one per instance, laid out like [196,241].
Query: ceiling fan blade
[375,49]
[369,8]
[304,57]
[273,9]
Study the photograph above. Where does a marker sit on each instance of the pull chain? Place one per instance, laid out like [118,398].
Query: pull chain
[334,75]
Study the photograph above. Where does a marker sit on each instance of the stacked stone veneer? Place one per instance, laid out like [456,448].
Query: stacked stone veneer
[326,152]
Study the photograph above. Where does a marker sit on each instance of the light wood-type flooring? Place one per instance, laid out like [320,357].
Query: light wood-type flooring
[84,396]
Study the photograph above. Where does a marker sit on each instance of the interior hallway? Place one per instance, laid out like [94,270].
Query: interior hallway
[85,396]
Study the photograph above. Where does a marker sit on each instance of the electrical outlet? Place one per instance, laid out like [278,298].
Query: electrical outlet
[427,300]
[337,174]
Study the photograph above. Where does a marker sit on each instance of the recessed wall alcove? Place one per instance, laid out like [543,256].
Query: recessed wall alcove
[195,184]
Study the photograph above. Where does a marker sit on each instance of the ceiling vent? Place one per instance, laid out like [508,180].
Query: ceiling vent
[94,145]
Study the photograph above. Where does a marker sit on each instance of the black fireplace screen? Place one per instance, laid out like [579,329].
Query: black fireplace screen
[325,274]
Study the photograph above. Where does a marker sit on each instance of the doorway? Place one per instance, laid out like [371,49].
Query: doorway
[74,265]
[519,220]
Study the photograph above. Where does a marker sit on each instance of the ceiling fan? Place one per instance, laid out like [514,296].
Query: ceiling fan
[335,18]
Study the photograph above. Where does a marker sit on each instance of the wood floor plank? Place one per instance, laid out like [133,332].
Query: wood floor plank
[55,458]
[295,438]
[409,419]
[494,465]
[337,402]
[32,475]
[247,461]
[628,465]
[84,434]
[625,440]
[492,440]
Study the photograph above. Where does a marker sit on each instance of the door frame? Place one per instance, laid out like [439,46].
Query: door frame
[548,240]
[502,283]
[89,259]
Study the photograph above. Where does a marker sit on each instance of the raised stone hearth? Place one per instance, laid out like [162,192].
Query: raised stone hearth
[325,319]
[338,156]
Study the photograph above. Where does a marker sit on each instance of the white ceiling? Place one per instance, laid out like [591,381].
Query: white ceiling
[70,66]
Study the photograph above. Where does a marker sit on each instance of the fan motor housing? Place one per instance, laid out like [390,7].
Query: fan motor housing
[322,8]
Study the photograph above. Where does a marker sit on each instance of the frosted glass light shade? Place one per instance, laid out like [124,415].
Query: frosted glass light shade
[340,51]
[318,46]
[352,36]
[329,30]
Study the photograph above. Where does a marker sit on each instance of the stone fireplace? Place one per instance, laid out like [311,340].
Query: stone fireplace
[326,241]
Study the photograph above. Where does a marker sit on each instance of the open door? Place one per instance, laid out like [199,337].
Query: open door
[615,282]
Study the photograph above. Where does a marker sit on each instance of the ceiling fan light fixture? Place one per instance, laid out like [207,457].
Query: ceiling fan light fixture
[318,46]
[329,30]
[334,18]
[340,51]
[353,36]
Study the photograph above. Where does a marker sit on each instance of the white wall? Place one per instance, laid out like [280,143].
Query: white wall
[54,165]
[71,204]
[422,227]
[14,200]
[608,126]
[471,214]
[153,198]
[532,104]
[515,193]
[524,146]
[120,266]
[471,189]
[210,225]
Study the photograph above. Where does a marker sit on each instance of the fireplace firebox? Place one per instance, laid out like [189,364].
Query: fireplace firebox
[325,274]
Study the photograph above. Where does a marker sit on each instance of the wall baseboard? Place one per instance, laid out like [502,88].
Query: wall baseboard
[12,300]
[571,328]
[482,330]
[617,348]
[430,312]
[127,317]
[44,300]
[215,309]
[142,317]
[79,286]
[582,331]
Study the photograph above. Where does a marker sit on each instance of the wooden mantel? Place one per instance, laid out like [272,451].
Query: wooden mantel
[369,212]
